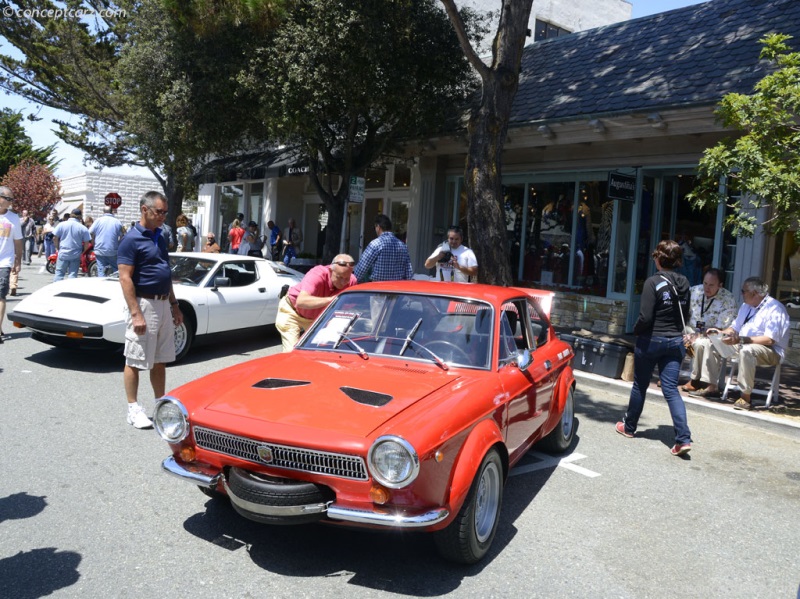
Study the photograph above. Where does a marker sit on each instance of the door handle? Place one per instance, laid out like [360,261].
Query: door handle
[262,290]
[548,364]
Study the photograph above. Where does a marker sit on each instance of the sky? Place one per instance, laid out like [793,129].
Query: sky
[72,160]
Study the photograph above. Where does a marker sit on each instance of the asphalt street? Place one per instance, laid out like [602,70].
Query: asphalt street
[85,510]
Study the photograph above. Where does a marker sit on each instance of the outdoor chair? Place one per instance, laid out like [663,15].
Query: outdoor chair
[772,393]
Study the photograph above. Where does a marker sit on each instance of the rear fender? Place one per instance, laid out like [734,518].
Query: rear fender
[480,440]
[565,382]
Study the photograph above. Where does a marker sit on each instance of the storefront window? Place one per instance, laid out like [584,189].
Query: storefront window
[256,204]
[231,203]
[549,233]
[619,264]
[402,176]
[399,218]
[375,178]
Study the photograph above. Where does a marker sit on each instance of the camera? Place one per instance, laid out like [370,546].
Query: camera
[446,258]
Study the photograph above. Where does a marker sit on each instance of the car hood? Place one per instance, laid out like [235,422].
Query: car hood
[311,390]
[74,299]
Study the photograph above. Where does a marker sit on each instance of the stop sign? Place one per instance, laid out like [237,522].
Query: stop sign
[114,200]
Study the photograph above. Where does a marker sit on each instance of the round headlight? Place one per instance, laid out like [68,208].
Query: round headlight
[171,420]
[393,462]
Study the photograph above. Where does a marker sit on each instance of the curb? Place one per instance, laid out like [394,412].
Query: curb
[764,421]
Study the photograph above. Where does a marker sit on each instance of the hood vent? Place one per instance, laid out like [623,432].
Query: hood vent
[369,398]
[279,384]
[82,296]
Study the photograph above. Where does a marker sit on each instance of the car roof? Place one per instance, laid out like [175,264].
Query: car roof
[494,294]
[215,257]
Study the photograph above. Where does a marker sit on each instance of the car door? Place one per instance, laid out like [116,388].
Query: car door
[529,391]
[239,304]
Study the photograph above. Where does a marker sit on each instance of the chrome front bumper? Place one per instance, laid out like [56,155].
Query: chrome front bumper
[206,477]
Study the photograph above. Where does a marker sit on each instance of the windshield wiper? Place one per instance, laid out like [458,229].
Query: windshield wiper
[343,337]
[410,337]
[435,358]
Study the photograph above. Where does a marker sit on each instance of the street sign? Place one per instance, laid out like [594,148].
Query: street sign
[357,190]
[114,200]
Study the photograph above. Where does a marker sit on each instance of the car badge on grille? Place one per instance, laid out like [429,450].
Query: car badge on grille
[265,453]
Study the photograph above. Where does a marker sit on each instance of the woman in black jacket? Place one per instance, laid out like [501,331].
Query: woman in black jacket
[660,343]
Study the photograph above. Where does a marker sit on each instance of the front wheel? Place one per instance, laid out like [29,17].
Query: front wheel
[51,267]
[184,335]
[92,270]
[467,539]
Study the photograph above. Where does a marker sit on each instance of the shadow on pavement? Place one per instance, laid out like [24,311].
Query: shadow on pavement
[38,572]
[21,505]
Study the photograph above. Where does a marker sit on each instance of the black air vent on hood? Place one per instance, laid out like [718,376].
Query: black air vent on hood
[369,398]
[279,383]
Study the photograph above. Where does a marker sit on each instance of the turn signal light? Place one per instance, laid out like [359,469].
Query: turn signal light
[188,454]
[379,495]
[18,325]
[74,335]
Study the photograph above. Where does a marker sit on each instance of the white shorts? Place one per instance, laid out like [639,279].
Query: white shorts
[157,345]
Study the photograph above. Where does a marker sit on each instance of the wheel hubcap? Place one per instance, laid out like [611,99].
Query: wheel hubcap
[568,417]
[180,338]
[487,502]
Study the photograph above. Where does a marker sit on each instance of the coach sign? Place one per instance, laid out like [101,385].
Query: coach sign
[621,187]
[114,200]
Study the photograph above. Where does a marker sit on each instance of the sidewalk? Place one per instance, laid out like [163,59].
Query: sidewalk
[785,412]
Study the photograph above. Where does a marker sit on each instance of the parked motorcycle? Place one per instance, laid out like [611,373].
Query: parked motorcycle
[88,263]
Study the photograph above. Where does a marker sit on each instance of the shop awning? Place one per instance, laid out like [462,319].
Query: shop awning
[261,164]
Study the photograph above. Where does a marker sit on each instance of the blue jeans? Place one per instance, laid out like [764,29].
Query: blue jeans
[67,268]
[667,353]
[288,255]
[106,265]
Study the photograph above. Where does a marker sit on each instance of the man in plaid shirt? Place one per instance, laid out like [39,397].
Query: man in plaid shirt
[386,257]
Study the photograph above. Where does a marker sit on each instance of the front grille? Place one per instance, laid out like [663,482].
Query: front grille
[290,458]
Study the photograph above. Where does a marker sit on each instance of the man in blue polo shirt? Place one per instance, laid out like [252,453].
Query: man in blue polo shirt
[71,238]
[153,311]
[106,233]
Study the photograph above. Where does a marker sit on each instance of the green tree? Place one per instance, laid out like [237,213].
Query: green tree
[487,129]
[36,189]
[142,80]
[762,160]
[16,146]
[345,83]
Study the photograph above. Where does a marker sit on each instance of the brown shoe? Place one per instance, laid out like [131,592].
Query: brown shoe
[741,404]
[691,386]
[13,292]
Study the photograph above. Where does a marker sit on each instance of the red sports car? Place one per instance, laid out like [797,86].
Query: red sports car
[404,406]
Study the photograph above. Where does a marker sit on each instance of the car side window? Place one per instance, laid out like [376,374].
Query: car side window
[540,327]
[240,274]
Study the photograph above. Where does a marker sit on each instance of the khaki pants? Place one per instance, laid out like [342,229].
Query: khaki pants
[290,324]
[707,363]
[750,356]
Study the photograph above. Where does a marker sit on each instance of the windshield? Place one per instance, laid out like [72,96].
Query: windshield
[189,271]
[406,326]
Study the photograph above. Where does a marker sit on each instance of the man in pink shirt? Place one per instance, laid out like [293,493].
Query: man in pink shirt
[306,300]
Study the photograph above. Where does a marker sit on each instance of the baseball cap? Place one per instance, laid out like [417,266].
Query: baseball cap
[77,212]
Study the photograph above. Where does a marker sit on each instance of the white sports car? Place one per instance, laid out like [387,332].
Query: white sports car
[217,293]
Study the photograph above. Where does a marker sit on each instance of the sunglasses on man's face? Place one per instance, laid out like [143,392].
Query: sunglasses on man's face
[7,198]
[158,212]
[344,263]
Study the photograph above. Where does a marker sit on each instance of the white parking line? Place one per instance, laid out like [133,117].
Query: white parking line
[548,461]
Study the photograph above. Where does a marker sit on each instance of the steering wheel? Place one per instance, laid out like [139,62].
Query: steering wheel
[450,352]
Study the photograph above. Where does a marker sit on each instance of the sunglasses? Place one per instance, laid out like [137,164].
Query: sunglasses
[158,212]
[7,198]
[344,263]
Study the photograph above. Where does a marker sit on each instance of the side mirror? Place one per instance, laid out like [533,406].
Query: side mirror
[221,282]
[524,359]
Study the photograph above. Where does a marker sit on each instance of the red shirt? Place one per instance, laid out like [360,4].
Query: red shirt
[235,235]
[317,282]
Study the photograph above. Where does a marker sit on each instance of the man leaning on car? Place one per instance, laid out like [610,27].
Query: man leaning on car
[152,310]
[306,300]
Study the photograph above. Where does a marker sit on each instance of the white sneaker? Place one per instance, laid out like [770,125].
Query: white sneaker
[138,418]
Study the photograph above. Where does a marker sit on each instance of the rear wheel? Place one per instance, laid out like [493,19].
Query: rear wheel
[92,270]
[467,539]
[51,267]
[560,438]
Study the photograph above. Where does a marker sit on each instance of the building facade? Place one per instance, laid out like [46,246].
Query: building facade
[607,129]
[87,191]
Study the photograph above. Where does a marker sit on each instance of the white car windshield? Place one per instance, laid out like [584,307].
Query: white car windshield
[189,271]
[449,330]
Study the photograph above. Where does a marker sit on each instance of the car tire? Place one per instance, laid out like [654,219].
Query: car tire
[184,334]
[560,438]
[467,539]
[273,491]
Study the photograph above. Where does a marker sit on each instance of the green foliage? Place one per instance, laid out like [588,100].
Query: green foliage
[16,146]
[347,82]
[762,165]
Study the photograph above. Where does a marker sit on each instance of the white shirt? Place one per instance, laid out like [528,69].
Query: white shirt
[768,318]
[463,255]
[9,231]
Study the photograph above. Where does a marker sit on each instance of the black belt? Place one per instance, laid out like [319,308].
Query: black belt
[151,296]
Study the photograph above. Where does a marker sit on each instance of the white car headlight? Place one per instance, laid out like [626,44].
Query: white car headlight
[171,420]
[393,462]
